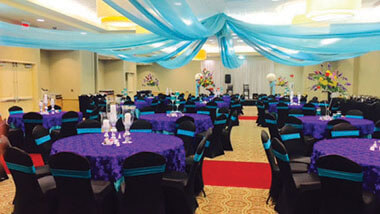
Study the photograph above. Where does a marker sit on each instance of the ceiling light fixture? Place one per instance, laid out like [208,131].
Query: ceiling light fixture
[329,10]
[111,18]
[40,20]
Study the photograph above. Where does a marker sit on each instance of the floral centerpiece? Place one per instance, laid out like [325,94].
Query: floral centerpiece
[328,81]
[205,80]
[281,82]
[150,80]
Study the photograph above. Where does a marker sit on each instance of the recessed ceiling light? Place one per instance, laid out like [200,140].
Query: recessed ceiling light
[40,20]
[239,40]
[83,33]
[177,3]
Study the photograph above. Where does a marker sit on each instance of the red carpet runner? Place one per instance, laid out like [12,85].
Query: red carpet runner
[36,158]
[247,117]
[237,174]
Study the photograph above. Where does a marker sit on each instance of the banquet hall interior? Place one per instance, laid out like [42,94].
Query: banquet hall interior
[190,106]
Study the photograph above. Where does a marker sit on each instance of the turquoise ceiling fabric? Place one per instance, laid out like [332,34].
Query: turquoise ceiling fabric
[178,33]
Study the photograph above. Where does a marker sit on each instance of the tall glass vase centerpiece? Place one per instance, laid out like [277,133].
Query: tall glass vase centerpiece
[205,80]
[333,83]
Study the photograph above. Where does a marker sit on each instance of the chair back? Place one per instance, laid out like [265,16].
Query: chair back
[15,110]
[212,107]
[43,141]
[265,139]
[190,107]
[282,112]
[344,130]
[342,184]
[147,110]
[354,113]
[72,175]
[376,133]
[68,127]
[16,138]
[143,176]
[271,123]
[294,122]
[31,120]
[204,110]
[59,108]
[260,112]
[119,125]
[186,131]
[332,123]
[89,126]
[141,125]
[292,138]
[216,147]
[183,119]
[295,113]
[309,109]
[29,196]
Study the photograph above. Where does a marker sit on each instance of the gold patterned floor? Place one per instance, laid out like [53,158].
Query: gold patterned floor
[220,200]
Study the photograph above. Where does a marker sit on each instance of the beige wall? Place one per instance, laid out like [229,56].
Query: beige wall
[285,71]
[181,79]
[368,76]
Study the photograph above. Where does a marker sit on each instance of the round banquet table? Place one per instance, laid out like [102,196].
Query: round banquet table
[106,161]
[161,122]
[141,104]
[273,107]
[317,128]
[356,149]
[219,104]
[48,120]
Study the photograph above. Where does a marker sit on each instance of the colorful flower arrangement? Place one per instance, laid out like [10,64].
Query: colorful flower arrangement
[333,82]
[150,80]
[281,82]
[205,80]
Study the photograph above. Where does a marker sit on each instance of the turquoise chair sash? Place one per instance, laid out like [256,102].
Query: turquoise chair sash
[308,108]
[283,157]
[267,145]
[198,157]
[219,101]
[89,111]
[190,106]
[85,174]
[144,170]
[21,168]
[261,107]
[203,112]
[376,129]
[207,144]
[219,122]
[293,136]
[345,133]
[88,130]
[270,121]
[146,112]
[42,140]
[357,177]
[185,132]
[283,107]
[355,116]
[235,105]
[94,117]
[16,112]
[141,130]
[32,121]
[233,118]
[212,107]
[295,115]
[297,126]
[70,120]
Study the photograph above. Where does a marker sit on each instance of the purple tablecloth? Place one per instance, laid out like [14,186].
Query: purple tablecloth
[273,107]
[356,149]
[106,161]
[141,104]
[220,105]
[149,100]
[161,122]
[49,120]
[317,128]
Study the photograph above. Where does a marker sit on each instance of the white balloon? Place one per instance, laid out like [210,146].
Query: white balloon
[198,76]
[271,77]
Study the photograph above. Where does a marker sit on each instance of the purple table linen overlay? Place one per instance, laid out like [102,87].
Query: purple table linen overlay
[106,161]
[273,107]
[220,105]
[141,104]
[161,122]
[317,128]
[48,120]
[356,149]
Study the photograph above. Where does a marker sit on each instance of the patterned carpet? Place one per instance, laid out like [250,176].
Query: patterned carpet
[220,200]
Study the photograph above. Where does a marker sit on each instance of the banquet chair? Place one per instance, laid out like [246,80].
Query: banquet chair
[89,126]
[292,138]
[216,146]
[260,113]
[190,107]
[102,104]
[56,107]
[376,133]
[297,123]
[186,181]
[90,110]
[31,120]
[295,113]
[300,191]
[141,191]
[94,115]
[235,105]
[76,192]
[342,186]
[182,103]
[43,141]
[15,110]
[119,125]
[16,138]
[226,133]
[33,194]
[68,127]
[145,111]
[331,124]
[284,100]
[204,110]
[276,185]
[282,112]
[212,107]
[154,104]
[335,108]
[186,131]
[141,126]
[224,111]
[308,109]
[345,130]
[271,123]
[183,119]
[354,113]
[303,99]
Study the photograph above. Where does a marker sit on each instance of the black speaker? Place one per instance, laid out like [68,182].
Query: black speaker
[227,78]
